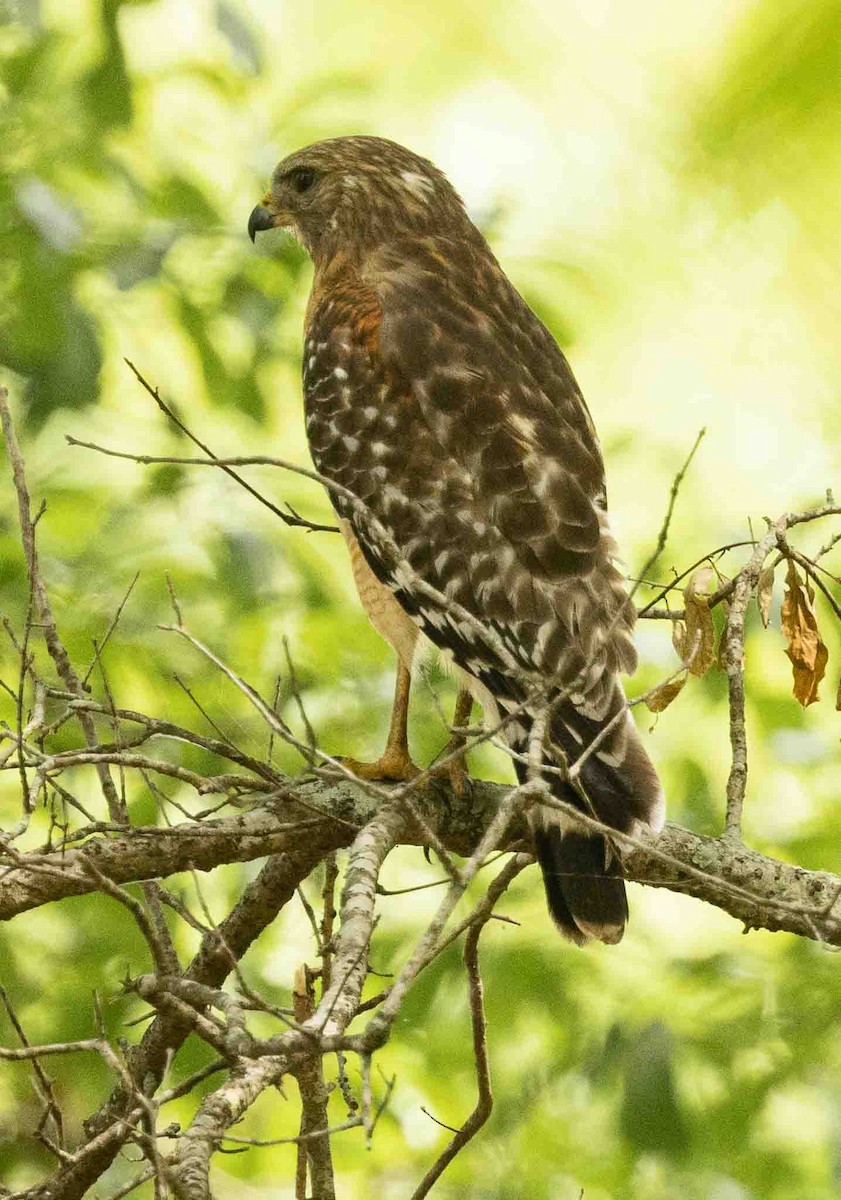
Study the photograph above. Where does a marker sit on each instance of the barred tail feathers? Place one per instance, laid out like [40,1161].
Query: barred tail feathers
[585,891]
[582,873]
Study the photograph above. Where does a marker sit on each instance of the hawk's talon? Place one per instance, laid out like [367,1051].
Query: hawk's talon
[393,766]
[454,753]
[396,767]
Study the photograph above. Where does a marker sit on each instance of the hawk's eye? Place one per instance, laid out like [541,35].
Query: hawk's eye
[302,179]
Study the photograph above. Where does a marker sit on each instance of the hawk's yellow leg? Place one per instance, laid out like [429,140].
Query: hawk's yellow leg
[400,631]
[456,768]
[395,762]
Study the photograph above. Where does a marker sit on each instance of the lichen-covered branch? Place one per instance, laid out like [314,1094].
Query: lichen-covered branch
[762,892]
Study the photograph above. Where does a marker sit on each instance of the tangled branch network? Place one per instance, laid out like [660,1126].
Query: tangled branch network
[72,834]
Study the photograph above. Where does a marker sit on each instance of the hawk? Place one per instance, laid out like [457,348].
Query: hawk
[470,487]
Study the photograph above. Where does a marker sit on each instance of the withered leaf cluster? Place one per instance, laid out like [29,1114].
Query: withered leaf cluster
[804,644]
[694,637]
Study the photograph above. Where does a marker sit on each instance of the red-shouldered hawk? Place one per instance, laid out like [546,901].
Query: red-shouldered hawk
[436,397]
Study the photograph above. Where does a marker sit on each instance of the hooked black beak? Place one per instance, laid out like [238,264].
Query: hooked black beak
[259,220]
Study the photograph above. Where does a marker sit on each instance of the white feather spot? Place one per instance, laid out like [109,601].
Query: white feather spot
[506,558]
[523,425]
[548,477]
[419,185]
[441,560]
[610,760]
[543,634]
[391,495]
[403,576]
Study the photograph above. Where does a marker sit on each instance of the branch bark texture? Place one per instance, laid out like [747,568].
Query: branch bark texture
[759,891]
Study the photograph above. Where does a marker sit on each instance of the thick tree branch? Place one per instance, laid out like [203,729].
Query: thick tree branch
[313,1149]
[762,892]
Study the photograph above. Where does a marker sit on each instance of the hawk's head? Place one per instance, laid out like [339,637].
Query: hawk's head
[357,192]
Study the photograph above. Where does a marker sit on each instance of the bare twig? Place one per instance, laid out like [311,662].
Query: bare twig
[328,916]
[744,586]
[288,517]
[114,622]
[663,535]
[55,645]
[44,1085]
[484,1102]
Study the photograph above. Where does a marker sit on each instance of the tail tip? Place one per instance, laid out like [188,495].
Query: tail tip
[606,931]
[584,886]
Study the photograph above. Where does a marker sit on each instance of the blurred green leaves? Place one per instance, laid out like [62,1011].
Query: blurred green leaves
[781,85]
[76,204]
[651,1116]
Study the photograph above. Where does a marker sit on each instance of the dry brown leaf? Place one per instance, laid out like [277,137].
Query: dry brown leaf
[838,697]
[662,696]
[764,593]
[805,647]
[679,637]
[695,640]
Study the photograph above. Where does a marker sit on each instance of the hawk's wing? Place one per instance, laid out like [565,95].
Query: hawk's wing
[505,427]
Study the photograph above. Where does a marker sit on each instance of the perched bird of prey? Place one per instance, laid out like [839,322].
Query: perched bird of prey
[437,399]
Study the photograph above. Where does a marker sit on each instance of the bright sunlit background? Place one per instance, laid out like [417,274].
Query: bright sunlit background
[661,182]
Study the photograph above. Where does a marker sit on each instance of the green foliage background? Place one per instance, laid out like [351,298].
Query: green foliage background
[661,182]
